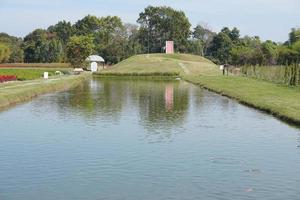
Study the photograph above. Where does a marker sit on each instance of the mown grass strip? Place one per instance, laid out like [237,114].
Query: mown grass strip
[279,100]
[31,73]
[16,92]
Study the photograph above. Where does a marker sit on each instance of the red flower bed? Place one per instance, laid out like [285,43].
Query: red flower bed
[5,78]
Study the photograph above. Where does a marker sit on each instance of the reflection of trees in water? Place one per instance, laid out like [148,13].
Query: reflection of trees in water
[161,105]
[94,100]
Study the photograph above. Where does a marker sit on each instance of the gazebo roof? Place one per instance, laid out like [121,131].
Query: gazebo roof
[95,58]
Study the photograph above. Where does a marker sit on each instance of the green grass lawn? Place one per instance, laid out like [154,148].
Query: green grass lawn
[162,65]
[16,92]
[31,73]
[279,100]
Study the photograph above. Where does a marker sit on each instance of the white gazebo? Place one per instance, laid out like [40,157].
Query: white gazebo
[94,59]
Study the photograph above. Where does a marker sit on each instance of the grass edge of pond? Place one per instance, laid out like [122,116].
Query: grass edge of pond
[18,92]
[243,99]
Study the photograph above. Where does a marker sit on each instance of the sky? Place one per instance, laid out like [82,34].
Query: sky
[268,19]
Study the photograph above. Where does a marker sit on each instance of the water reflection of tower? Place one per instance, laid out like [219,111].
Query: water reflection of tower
[169,100]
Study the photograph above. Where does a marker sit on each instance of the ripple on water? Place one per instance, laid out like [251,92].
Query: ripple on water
[122,139]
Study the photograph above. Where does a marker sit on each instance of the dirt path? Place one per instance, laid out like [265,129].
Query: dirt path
[184,68]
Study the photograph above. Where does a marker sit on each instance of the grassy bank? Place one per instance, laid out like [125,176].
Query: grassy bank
[31,73]
[277,99]
[15,92]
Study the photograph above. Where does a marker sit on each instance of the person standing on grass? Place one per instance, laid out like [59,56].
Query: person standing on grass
[224,68]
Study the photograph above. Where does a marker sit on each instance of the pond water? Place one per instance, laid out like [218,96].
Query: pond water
[141,139]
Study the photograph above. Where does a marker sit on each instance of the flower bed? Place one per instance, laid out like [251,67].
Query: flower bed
[5,78]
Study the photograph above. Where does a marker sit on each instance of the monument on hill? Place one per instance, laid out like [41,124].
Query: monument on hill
[169,47]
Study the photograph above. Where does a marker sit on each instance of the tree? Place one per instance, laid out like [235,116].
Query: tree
[87,25]
[287,56]
[220,48]
[296,46]
[195,47]
[78,49]
[294,35]
[205,36]
[110,39]
[159,24]
[233,34]
[110,26]
[123,44]
[253,44]
[270,52]
[4,53]
[241,55]
[63,30]
[132,45]
[42,46]
[14,45]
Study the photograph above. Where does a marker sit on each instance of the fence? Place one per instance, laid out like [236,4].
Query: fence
[289,75]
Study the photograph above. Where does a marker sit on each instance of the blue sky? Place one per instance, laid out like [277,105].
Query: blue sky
[269,19]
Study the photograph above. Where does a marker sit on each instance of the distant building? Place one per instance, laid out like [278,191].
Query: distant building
[169,47]
[93,59]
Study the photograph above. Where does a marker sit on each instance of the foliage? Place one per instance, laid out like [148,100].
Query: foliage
[196,47]
[116,41]
[159,24]
[294,35]
[110,39]
[287,56]
[42,46]
[203,36]
[270,52]
[221,47]
[87,25]
[14,44]
[4,53]
[243,55]
[233,34]
[78,49]
[63,30]
[296,46]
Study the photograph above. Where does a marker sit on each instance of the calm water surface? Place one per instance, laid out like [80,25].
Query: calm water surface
[145,140]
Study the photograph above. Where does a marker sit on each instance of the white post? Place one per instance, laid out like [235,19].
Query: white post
[46,75]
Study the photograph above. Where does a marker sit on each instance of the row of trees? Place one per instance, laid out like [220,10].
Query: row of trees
[10,49]
[228,47]
[115,41]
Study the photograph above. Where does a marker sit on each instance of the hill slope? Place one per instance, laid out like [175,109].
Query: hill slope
[279,100]
[164,65]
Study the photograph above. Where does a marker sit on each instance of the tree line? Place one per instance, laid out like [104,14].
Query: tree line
[115,40]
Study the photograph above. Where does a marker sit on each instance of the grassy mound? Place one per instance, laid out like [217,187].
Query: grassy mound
[279,100]
[162,65]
